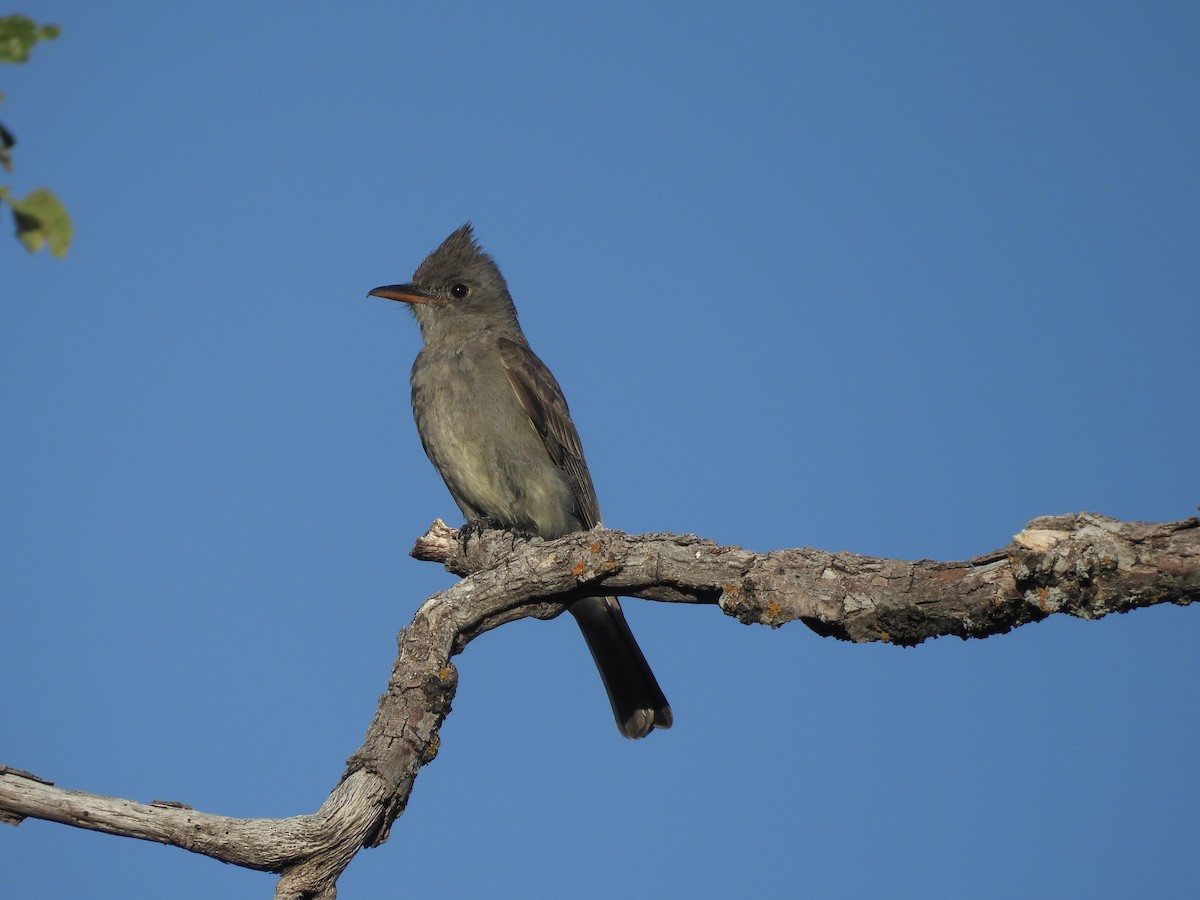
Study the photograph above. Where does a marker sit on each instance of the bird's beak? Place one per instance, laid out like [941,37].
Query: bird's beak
[403,292]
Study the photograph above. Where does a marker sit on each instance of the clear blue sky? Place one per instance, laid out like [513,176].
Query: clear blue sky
[888,278]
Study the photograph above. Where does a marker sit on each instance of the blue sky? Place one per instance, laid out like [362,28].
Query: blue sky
[875,277]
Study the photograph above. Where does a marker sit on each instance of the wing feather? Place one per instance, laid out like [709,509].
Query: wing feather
[543,401]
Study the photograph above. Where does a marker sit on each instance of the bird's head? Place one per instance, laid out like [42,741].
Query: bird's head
[458,290]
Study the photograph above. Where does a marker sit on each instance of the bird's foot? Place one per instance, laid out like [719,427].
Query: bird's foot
[475,528]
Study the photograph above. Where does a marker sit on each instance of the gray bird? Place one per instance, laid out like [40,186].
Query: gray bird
[495,424]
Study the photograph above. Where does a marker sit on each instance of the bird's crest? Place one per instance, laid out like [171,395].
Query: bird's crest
[457,256]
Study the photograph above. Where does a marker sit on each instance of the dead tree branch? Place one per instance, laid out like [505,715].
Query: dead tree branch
[1084,565]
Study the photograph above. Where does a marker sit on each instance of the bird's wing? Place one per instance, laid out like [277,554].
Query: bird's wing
[543,401]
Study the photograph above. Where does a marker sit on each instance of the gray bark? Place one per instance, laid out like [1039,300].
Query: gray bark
[1083,565]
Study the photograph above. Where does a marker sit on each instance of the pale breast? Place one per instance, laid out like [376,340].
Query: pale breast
[481,441]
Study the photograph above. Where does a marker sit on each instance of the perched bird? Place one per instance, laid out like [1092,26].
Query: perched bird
[494,423]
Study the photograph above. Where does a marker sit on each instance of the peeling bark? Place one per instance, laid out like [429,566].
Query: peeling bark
[1084,565]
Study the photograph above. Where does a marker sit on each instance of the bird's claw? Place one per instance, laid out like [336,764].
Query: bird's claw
[475,528]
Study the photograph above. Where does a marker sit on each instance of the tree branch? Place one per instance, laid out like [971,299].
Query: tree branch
[1084,565]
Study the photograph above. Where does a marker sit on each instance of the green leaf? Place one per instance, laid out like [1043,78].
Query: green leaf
[18,34]
[41,221]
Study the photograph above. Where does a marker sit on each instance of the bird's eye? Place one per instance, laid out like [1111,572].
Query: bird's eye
[459,291]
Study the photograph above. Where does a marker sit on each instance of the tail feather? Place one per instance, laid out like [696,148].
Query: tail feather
[637,701]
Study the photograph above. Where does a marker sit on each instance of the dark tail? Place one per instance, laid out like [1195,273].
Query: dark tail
[637,701]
